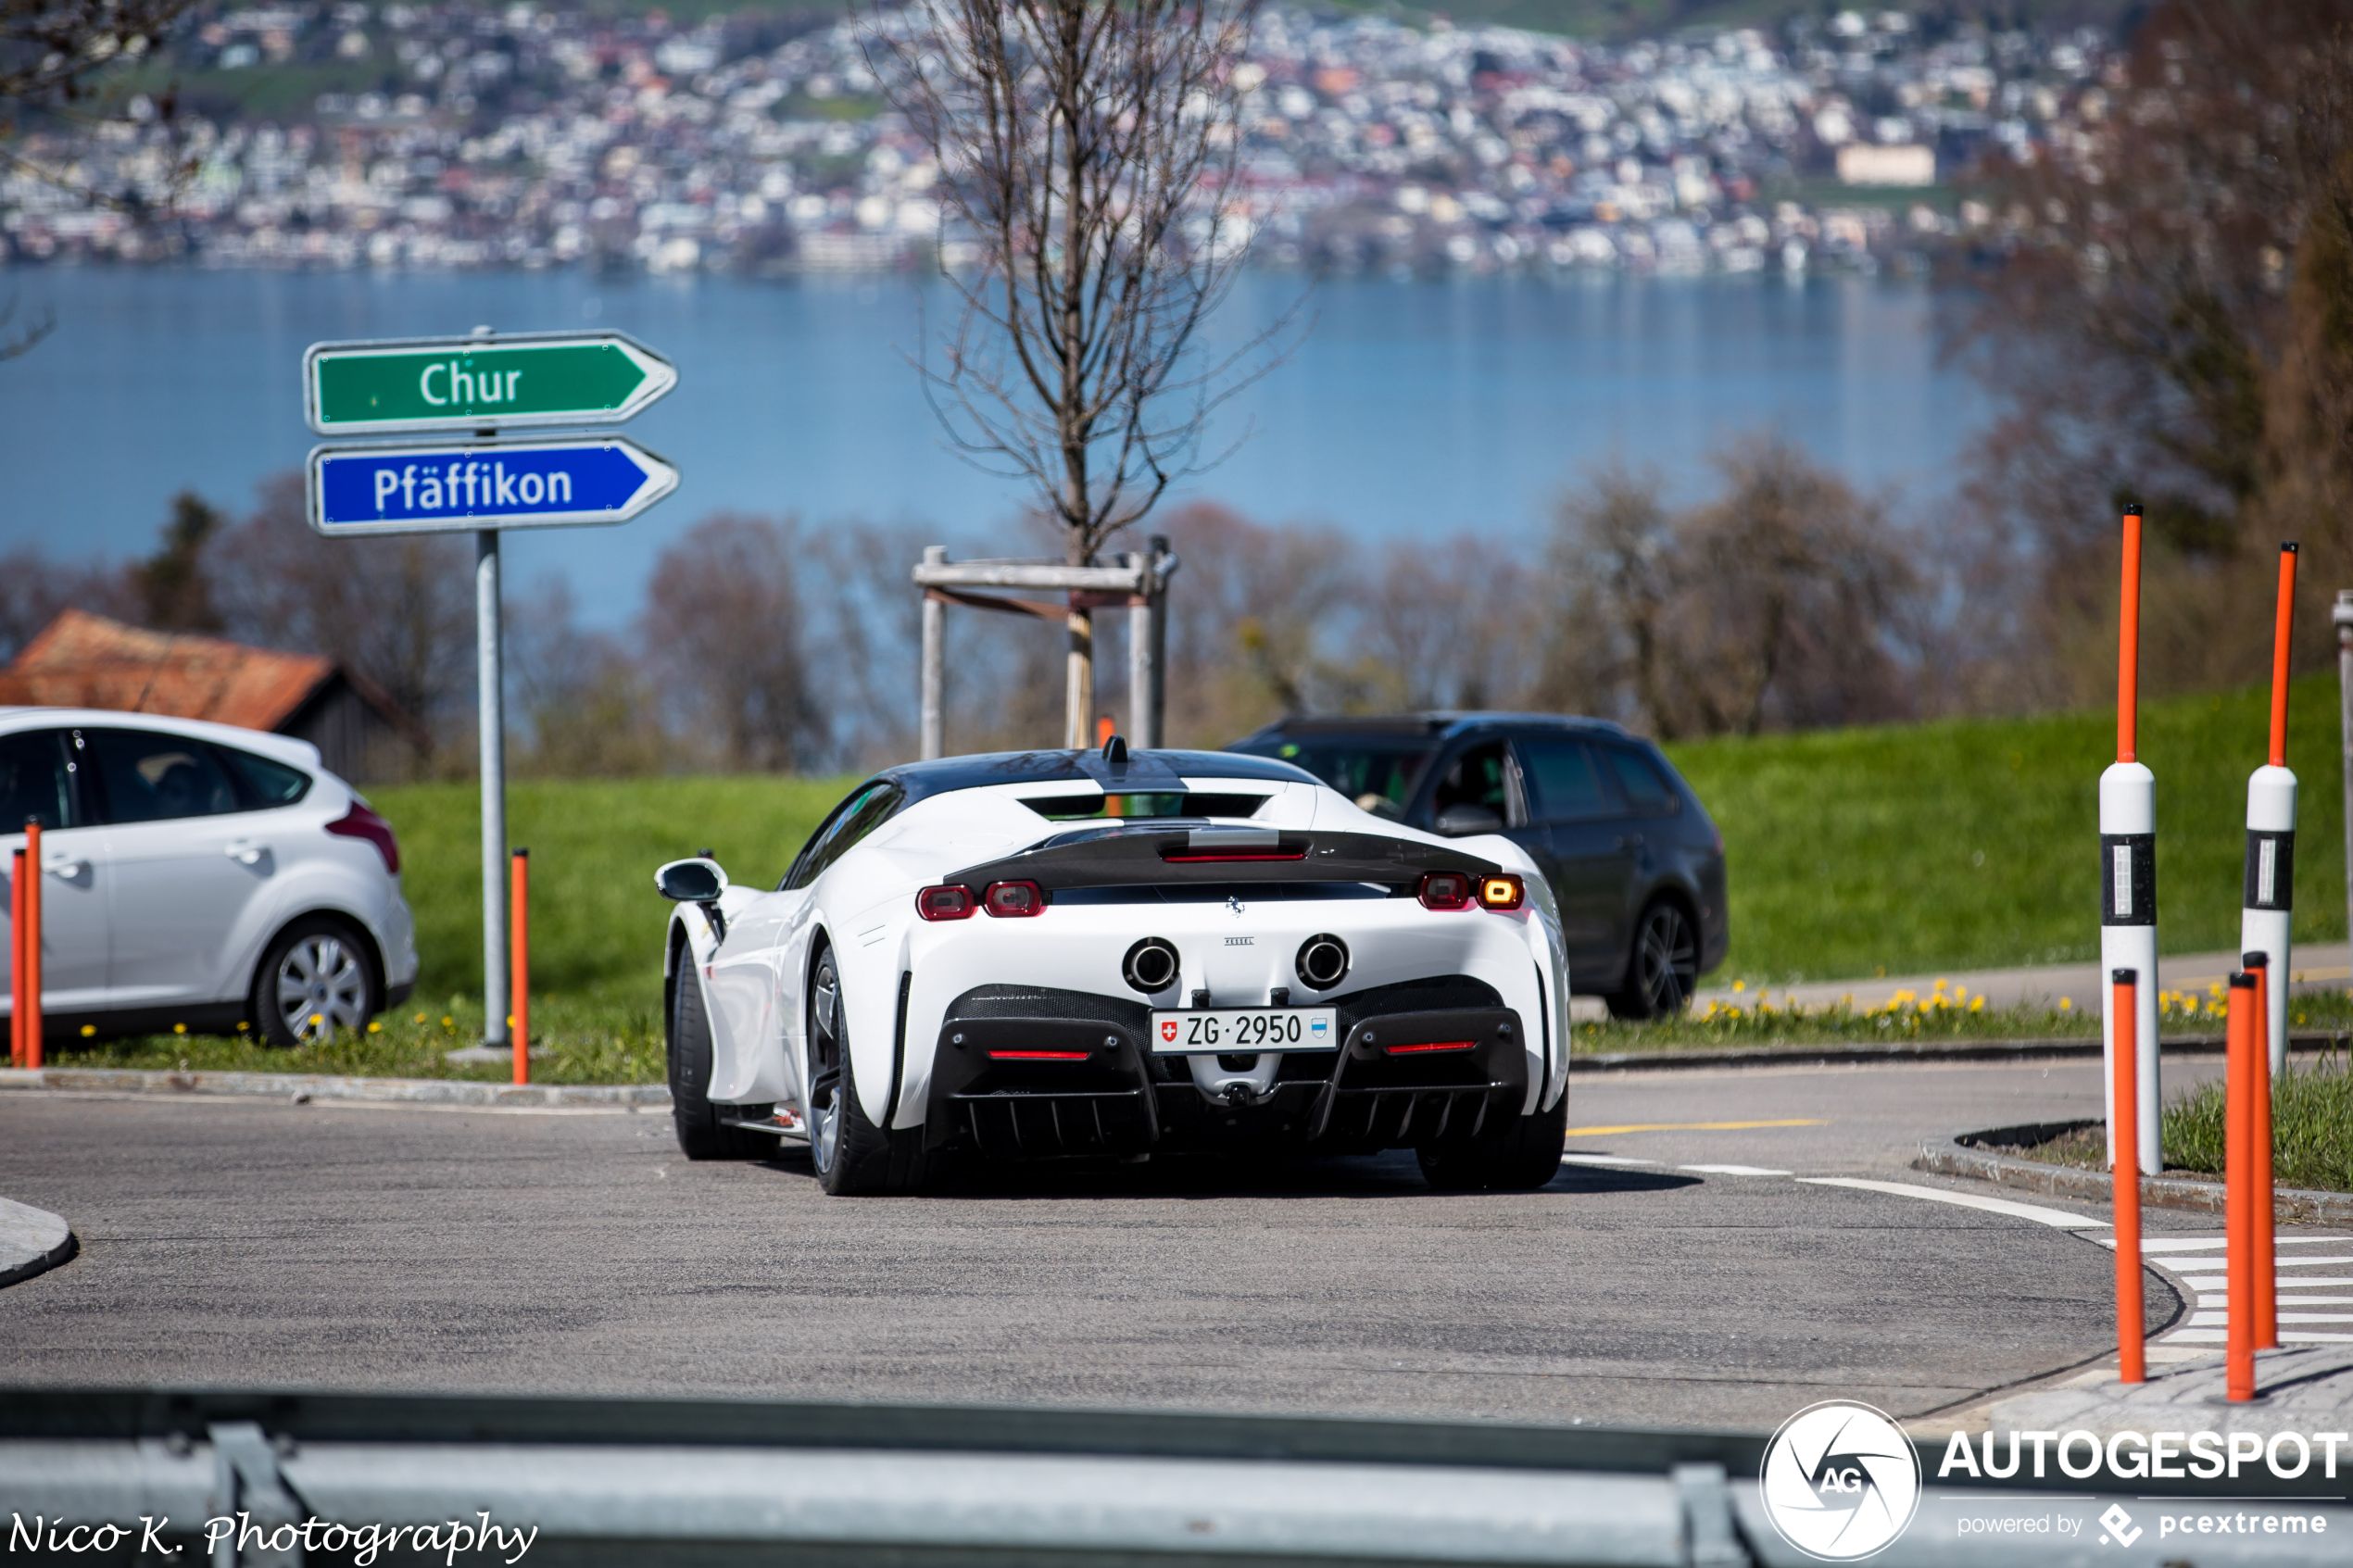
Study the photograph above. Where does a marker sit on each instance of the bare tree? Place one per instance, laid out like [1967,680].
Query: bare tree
[51,49]
[397,610]
[723,637]
[1087,149]
[1787,602]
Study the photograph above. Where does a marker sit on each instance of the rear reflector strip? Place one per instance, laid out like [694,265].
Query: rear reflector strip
[1039,1056]
[1434,1045]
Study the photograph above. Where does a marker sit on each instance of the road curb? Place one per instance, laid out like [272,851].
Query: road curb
[1960,1158]
[1913,1050]
[32,1241]
[315,1086]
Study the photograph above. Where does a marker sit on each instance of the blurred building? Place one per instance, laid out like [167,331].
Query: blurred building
[84,660]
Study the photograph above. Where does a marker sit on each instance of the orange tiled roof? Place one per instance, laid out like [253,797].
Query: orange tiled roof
[84,660]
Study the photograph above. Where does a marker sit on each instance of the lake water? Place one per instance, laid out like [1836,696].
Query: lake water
[1408,408]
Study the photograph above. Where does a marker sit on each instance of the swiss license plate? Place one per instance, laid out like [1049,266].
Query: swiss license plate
[1244,1031]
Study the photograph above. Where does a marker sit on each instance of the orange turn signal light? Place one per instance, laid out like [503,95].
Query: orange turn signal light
[1502,892]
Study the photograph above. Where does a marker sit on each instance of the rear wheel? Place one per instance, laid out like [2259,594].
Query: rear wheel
[317,977]
[702,1134]
[1663,969]
[1525,1155]
[853,1156]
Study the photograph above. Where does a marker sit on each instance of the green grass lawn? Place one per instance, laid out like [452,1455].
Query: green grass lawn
[1974,843]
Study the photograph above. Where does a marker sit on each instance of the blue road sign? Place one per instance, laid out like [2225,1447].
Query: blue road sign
[463,487]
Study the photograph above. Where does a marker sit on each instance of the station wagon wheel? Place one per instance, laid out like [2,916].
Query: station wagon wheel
[316,978]
[825,1095]
[1663,969]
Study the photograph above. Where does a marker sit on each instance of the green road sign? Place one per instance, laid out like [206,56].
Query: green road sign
[480,382]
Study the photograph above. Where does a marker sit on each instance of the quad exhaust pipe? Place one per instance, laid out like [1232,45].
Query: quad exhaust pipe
[1323,961]
[1151,966]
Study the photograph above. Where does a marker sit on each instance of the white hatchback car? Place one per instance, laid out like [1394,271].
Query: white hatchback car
[202,874]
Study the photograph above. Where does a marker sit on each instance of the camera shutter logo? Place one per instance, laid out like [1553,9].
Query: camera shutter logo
[1839,1481]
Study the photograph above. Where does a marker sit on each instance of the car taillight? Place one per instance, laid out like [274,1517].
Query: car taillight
[1039,1056]
[360,822]
[1015,899]
[1446,890]
[1431,1046]
[1504,892]
[945,903]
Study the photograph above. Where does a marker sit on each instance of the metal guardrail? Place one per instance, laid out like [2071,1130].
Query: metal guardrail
[658,1481]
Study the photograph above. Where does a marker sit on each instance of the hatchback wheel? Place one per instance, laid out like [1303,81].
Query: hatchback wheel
[316,978]
[1663,969]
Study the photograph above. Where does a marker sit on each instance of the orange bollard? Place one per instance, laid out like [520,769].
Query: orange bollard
[2131,1359]
[16,959]
[2263,1229]
[29,992]
[2238,1185]
[519,963]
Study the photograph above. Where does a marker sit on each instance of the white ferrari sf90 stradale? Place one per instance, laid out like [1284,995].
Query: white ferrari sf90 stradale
[1109,955]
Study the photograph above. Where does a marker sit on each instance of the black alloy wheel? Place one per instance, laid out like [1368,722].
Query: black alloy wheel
[1663,969]
[702,1133]
[853,1156]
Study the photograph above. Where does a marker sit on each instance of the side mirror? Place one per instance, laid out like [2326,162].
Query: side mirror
[691,882]
[1461,821]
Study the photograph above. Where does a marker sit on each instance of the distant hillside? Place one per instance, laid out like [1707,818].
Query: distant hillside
[1610,20]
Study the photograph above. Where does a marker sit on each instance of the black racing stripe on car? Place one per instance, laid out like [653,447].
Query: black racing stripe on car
[1131,857]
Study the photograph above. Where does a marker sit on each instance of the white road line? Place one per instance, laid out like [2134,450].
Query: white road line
[2218,1337]
[1602,1160]
[2293,1281]
[1732,1169]
[2055,1217]
[2222,1298]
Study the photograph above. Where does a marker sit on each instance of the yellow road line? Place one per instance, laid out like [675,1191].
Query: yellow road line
[1685,1127]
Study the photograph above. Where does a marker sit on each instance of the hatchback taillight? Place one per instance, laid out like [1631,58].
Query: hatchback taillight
[361,822]
[1015,900]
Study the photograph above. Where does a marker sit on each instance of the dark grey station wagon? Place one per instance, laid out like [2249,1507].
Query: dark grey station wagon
[1636,865]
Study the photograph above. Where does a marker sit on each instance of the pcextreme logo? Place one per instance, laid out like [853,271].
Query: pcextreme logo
[1839,1481]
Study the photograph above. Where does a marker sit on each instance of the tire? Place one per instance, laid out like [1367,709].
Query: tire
[854,1158]
[1525,1155]
[316,977]
[1662,968]
[701,1136]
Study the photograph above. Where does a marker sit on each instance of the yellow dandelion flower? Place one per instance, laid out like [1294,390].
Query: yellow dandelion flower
[90,1029]
[2066,1004]
[374,1027]
[180,1029]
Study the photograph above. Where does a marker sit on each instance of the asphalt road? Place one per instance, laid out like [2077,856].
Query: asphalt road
[244,1242]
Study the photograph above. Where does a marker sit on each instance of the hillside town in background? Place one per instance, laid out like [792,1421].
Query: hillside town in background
[348,135]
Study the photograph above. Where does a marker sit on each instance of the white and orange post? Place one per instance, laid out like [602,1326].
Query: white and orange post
[2128,873]
[2132,1362]
[2269,902]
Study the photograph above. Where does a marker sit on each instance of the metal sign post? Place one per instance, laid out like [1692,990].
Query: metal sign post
[482,385]
[1141,586]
